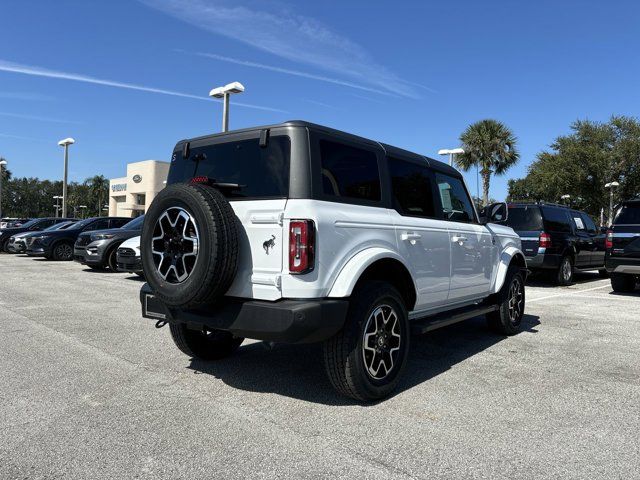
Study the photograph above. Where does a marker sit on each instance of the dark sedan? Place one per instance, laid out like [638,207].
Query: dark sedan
[18,243]
[58,245]
[35,225]
[97,249]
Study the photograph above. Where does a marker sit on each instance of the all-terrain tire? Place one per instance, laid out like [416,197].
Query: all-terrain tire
[623,283]
[564,275]
[62,251]
[345,358]
[217,246]
[507,320]
[204,344]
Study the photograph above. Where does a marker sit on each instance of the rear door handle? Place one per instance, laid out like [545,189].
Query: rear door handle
[410,236]
[458,239]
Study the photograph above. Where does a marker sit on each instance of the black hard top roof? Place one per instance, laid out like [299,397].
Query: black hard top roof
[443,167]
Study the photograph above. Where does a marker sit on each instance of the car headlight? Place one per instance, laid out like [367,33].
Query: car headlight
[41,238]
[101,236]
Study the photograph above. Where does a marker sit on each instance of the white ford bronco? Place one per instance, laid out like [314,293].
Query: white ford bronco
[299,233]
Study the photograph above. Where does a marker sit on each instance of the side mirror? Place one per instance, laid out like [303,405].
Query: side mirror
[494,213]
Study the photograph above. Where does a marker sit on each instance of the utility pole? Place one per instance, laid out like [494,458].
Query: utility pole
[65,143]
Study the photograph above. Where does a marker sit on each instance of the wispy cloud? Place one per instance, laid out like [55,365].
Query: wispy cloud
[288,35]
[20,137]
[30,96]
[321,104]
[35,117]
[7,66]
[288,71]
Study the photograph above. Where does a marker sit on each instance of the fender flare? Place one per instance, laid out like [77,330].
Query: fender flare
[506,257]
[349,275]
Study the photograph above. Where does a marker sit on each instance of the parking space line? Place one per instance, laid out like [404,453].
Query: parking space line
[573,292]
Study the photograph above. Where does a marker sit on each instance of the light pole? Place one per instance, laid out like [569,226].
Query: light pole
[82,210]
[224,93]
[611,186]
[2,164]
[566,197]
[451,152]
[65,143]
[56,198]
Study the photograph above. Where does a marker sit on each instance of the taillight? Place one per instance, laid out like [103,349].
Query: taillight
[302,238]
[545,240]
[608,243]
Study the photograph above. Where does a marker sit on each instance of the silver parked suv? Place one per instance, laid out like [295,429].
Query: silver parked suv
[300,233]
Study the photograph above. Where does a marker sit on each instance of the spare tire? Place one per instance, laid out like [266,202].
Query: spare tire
[189,245]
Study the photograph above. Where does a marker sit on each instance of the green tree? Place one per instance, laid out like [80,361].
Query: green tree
[99,190]
[491,146]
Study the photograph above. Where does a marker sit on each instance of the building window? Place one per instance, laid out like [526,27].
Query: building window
[140,198]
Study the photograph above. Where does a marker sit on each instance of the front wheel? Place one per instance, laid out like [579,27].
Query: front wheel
[366,359]
[507,320]
[621,282]
[204,343]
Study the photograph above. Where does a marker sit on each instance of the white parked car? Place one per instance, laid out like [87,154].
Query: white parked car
[300,233]
[128,256]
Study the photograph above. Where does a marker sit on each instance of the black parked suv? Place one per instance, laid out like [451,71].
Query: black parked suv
[58,244]
[35,225]
[97,249]
[623,247]
[558,239]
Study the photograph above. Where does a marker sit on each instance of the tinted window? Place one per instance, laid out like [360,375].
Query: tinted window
[628,215]
[589,224]
[349,172]
[411,185]
[578,222]
[46,223]
[556,219]
[250,171]
[135,224]
[118,222]
[98,225]
[456,204]
[525,219]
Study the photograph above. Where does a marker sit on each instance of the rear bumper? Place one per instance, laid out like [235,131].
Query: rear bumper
[286,321]
[623,265]
[543,261]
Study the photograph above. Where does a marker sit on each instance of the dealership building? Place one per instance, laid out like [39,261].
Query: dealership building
[131,195]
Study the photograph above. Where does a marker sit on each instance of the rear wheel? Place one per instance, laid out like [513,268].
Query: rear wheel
[621,282]
[204,343]
[564,275]
[63,251]
[603,273]
[507,320]
[366,359]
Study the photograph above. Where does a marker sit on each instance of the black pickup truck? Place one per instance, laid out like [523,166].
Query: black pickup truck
[622,257]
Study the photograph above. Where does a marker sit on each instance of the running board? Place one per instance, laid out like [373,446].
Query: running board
[427,324]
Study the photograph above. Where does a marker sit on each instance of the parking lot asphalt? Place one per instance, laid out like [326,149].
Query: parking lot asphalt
[90,389]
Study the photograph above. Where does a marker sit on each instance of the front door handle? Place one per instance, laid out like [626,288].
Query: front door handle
[410,236]
[459,239]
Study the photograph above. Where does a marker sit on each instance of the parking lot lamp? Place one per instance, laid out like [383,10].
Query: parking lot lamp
[451,152]
[567,199]
[65,143]
[611,186]
[2,165]
[57,205]
[224,93]
[82,210]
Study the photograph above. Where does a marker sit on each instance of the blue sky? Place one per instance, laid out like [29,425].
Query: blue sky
[127,79]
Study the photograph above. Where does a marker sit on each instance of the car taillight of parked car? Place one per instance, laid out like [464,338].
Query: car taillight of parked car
[302,237]
[545,240]
[608,243]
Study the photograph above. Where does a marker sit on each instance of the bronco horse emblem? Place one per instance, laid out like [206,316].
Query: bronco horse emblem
[269,244]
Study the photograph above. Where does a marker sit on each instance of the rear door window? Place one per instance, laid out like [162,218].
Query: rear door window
[97,225]
[578,221]
[525,219]
[455,201]
[589,223]
[556,219]
[349,172]
[119,222]
[411,186]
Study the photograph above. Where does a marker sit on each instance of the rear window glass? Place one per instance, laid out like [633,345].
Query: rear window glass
[349,171]
[525,219]
[628,215]
[411,184]
[248,170]
[556,220]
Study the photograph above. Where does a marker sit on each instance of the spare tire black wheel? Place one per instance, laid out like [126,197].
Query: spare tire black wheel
[189,245]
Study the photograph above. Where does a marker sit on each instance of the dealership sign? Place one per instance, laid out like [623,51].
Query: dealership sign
[137,178]
[119,187]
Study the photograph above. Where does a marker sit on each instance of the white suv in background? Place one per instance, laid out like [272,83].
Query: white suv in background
[300,233]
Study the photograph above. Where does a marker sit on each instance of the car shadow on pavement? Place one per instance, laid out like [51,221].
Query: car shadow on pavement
[297,371]
[544,280]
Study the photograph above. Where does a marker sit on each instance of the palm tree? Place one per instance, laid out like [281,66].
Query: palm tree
[98,188]
[491,146]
